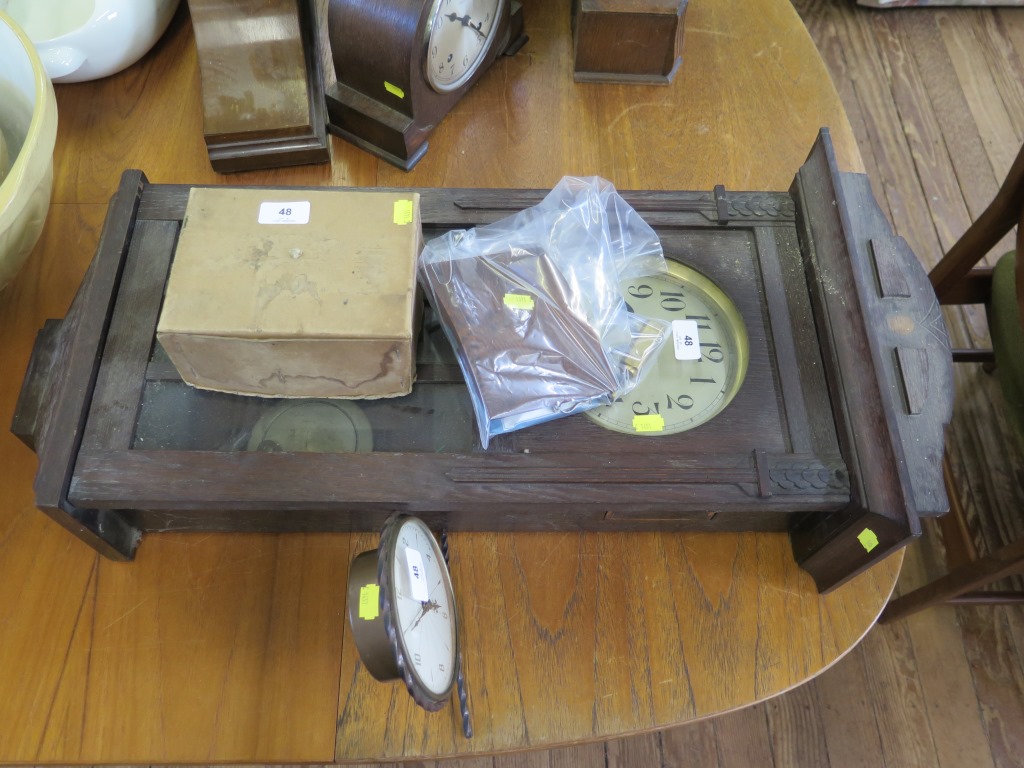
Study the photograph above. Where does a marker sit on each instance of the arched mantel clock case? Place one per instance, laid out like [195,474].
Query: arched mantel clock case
[402,65]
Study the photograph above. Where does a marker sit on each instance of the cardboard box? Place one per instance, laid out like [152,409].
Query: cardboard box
[295,293]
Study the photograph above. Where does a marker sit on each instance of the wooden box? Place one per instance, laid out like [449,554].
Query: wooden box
[288,293]
[836,435]
[627,41]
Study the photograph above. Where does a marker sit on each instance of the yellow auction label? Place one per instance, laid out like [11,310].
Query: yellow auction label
[394,89]
[518,301]
[868,539]
[403,212]
[650,423]
[369,602]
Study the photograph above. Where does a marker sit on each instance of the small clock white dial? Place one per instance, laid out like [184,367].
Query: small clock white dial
[424,607]
[461,32]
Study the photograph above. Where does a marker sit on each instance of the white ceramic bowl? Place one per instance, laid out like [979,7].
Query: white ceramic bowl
[88,39]
[28,119]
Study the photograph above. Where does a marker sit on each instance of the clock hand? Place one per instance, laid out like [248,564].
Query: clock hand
[427,608]
[466,23]
[419,618]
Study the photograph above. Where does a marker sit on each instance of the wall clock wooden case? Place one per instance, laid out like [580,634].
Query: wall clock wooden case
[834,435]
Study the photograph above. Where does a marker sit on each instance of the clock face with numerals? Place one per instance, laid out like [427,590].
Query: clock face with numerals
[461,32]
[700,368]
[423,606]
[402,612]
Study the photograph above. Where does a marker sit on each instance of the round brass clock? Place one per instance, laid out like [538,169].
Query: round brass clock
[700,368]
[402,610]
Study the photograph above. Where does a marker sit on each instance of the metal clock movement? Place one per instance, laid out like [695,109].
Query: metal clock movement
[402,65]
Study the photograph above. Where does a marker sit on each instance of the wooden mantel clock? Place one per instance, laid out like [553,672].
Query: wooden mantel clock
[402,65]
[818,408]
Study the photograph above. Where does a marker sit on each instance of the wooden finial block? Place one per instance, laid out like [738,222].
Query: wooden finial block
[627,41]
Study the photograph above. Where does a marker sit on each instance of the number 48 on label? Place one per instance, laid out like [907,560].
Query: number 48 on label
[296,212]
[686,339]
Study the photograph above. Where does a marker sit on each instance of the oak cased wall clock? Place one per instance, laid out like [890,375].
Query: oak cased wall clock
[401,65]
[817,405]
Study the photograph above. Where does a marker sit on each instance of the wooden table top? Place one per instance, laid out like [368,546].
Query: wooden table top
[235,647]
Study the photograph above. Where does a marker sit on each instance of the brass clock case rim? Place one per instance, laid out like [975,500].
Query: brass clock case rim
[686,274]
[370,637]
[386,551]
[492,36]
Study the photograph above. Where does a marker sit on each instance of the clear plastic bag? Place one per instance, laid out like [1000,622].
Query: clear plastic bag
[532,306]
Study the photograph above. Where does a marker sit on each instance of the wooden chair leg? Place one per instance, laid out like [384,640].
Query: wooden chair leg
[1006,561]
[984,356]
[956,536]
[988,597]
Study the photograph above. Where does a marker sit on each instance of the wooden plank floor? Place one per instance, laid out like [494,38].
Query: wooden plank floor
[936,98]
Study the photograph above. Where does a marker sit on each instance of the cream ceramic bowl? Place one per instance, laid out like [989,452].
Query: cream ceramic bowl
[88,39]
[28,120]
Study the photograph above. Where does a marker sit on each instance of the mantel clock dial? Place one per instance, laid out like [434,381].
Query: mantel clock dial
[402,65]
[461,32]
[698,371]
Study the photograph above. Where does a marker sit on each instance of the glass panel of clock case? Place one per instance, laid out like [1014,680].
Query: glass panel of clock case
[436,417]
